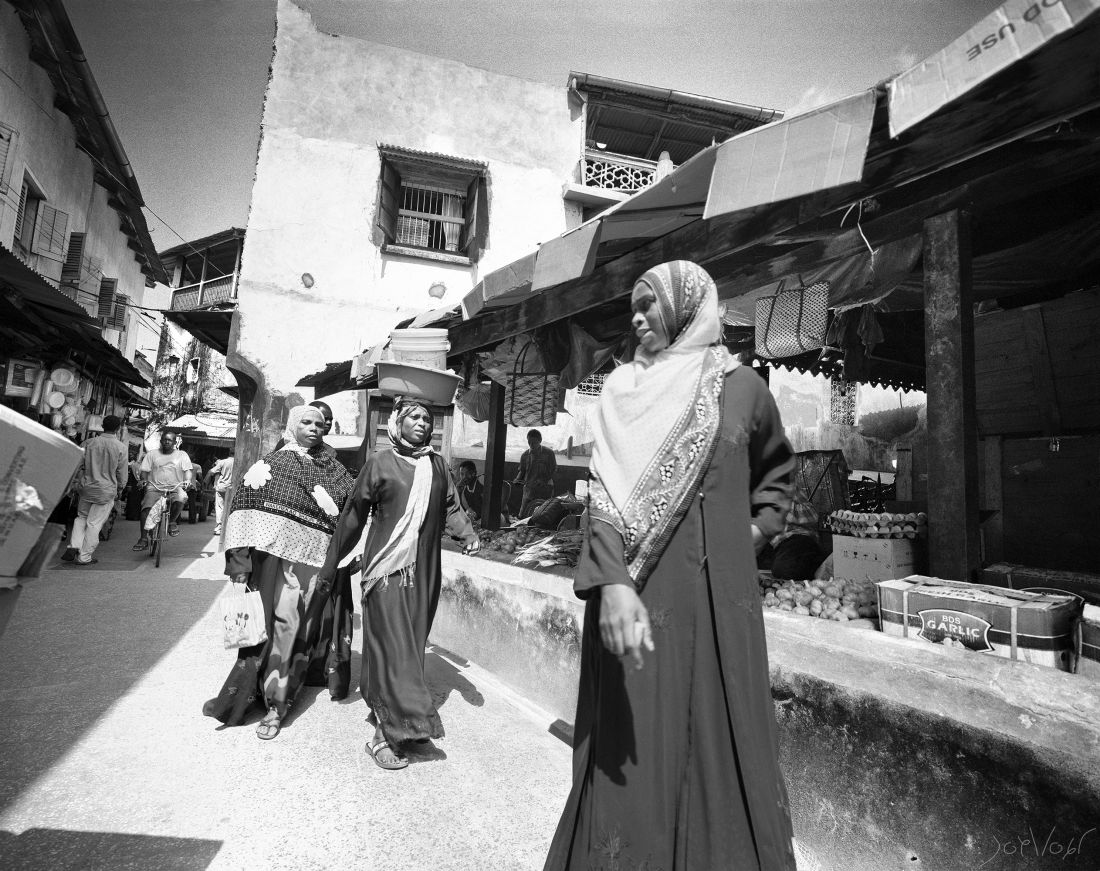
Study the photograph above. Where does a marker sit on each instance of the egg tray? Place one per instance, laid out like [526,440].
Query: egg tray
[878,525]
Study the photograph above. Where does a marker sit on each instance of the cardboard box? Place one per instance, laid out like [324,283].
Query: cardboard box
[36,465]
[1081,584]
[875,559]
[1030,627]
[1087,642]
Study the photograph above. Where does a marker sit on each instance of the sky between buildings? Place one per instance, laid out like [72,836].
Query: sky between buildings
[184,79]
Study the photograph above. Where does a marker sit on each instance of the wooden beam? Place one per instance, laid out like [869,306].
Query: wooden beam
[651,154]
[1035,341]
[494,457]
[953,539]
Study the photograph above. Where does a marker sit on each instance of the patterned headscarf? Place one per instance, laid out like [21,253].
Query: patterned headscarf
[402,408]
[657,423]
[295,417]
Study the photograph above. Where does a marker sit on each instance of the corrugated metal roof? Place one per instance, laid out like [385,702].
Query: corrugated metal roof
[399,151]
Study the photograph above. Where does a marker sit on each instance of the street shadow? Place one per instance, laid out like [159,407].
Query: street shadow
[75,644]
[444,676]
[62,850]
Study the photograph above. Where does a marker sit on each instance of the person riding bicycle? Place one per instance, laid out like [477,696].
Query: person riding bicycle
[165,472]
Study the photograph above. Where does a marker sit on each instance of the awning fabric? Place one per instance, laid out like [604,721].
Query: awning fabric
[1013,31]
[821,149]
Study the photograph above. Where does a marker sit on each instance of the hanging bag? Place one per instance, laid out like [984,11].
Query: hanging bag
[532,396]
[243,622]
[792,321]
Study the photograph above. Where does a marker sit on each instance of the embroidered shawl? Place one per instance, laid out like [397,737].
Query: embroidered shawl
[658,419]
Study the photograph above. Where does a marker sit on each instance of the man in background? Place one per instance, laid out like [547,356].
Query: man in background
[536,473]
[101,482]
[168,468]
[221,473]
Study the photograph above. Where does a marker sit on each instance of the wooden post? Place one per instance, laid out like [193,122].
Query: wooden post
[953,540]
[993,528]
[494,457]
[903,475]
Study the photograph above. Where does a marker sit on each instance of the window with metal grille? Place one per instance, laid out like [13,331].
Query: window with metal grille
[432,203]
[431,218]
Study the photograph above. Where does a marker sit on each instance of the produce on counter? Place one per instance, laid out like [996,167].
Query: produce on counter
[533,546]
[828,598]
[878,525]
[559,549]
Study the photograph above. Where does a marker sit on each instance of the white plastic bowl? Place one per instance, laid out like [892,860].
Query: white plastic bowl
[433,386]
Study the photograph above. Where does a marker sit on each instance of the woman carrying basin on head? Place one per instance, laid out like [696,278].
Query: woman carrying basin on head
[403,499]
[674,761]
[276,537]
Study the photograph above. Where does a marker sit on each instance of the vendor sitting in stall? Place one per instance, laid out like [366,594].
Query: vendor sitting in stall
[796,552]
[470,489]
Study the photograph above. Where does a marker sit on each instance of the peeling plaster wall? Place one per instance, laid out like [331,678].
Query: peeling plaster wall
[330,102]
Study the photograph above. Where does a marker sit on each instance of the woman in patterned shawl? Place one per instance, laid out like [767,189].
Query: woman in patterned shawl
[674,762]
[403,500]
[276,537]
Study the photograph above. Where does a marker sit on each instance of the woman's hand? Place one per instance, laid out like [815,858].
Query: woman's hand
[240,578]
[624,622]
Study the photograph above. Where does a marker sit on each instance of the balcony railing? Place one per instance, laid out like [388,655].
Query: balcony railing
[205,293]
[617,172]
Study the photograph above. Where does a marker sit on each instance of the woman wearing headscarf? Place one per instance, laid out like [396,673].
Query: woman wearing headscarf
[675,748]
[276,536]
[395,518]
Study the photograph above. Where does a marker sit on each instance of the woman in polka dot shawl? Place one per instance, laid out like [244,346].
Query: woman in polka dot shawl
[276,537]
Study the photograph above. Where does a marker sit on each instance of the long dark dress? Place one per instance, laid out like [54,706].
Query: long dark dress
[319,656]
[674,766]
[398,613]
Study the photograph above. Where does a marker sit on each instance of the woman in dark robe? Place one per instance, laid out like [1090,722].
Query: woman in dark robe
[395,519]
[276,538]
[675,748]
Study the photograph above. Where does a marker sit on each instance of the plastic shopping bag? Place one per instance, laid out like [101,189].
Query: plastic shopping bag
[243,622]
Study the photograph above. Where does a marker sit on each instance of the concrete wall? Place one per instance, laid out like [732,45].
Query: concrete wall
[897,754]
[45,145]
[330,102]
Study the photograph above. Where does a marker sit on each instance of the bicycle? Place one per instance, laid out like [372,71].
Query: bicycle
[159,533]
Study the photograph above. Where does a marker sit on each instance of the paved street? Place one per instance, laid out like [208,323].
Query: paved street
[107,762]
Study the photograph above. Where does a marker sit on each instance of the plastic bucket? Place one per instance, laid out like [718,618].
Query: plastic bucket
[420,347]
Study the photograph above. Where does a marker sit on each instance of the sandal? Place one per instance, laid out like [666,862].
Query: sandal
[173,530]
[269,727]
[141,545]
[375,748]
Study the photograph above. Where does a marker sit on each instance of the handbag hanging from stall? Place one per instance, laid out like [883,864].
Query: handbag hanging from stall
[531,396]
[243,623]
[792,322]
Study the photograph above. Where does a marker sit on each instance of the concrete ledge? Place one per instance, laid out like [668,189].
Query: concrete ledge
[897,754]
[522,625]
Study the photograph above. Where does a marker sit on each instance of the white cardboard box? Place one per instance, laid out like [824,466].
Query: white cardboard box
[875,559]
[36,465]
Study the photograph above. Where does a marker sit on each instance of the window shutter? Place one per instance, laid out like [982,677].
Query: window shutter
[474,220]
[20,212]
[118,318]
[107,298]
[50,232]
[74,258]
[6,138]
[389,200]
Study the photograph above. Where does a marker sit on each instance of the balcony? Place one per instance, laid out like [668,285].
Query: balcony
[205,294]
[604,178]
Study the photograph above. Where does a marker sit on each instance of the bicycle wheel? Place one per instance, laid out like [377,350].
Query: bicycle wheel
[162,534]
